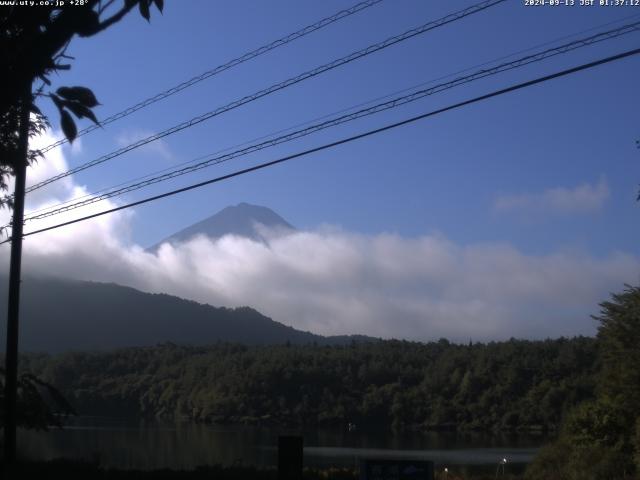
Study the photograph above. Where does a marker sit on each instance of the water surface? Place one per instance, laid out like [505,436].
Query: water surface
[151,445]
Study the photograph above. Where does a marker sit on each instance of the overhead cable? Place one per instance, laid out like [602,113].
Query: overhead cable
[276,87]
[221,68]
[369,133]
[394,103]
[329,115]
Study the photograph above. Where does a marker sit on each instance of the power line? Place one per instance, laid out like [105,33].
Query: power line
[368,102]
[261,166]
[278,86]
[394,103]
[226,66]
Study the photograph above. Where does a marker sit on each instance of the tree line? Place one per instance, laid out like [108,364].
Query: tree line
[512,385]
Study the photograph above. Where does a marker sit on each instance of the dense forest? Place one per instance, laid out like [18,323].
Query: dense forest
[509,385]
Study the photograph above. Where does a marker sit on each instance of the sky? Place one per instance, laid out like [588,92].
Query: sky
[515,216]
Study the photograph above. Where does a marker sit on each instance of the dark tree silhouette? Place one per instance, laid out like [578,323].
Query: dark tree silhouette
[40,404]
[33,45]
[601,437]
[34,41]
[619,337]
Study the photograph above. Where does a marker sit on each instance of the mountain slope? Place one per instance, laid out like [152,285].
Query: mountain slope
[243,220]
[59,315]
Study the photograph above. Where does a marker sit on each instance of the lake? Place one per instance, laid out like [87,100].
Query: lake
[151,445]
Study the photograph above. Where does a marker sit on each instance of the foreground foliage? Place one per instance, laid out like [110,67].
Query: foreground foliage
[40,405]
[512,385]
[35,37]
[601,438]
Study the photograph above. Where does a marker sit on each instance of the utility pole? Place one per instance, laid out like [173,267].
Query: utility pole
[11,361]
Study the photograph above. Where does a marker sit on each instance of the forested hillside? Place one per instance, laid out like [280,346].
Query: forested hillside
[61,314]
[507,385]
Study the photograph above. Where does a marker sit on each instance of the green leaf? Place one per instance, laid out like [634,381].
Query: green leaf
[57,101]
[79,94]
[144,9]
[159,4]
[81,111]
[68,126]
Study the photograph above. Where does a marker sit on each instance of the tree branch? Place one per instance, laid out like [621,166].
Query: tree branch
[115,17]
[104,7]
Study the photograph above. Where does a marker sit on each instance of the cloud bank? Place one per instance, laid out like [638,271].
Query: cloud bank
[583,199]
[331,281]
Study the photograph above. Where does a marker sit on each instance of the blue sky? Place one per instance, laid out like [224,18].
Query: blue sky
[511,217]
[442,174]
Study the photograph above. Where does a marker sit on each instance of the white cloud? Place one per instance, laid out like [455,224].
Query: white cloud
[331,281]
[76,147]
[583,199]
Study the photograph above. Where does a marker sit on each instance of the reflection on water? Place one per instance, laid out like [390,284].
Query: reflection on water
[124,444]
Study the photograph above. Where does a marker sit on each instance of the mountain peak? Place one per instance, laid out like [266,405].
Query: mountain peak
[243,219]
